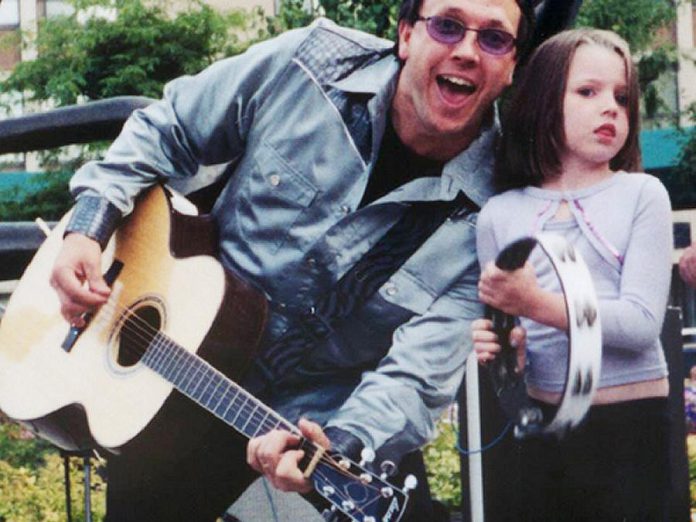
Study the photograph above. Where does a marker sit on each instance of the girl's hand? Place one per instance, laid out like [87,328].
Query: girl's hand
[485,340]
[517,293]
[513,292]
[486,343]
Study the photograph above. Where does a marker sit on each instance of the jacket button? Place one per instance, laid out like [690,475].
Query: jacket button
[392,290]
[274,179]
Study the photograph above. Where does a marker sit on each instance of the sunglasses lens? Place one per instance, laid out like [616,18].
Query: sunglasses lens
[494,41]
[445,30]
[450,31]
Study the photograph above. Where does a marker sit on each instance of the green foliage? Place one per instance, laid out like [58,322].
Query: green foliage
[134,54]
[32,480]
[638,21]
[373,16]
[45,196]
[19,448]
[635,20]
[30,495]
[442,463]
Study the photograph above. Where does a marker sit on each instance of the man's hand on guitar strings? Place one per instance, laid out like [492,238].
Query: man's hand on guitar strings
[275,456]
[77,277]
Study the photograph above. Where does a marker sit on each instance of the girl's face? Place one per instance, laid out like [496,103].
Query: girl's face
[595,109]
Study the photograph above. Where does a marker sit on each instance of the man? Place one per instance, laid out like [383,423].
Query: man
[324,139]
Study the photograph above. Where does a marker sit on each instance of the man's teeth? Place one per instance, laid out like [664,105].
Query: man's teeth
[460,82]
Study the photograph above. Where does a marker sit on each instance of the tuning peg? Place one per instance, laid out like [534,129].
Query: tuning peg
[410,483]
[367,455]
[365,478]
[348,505]
[369,519]
[387,492]
[388,469]
[344,464]
[328,491]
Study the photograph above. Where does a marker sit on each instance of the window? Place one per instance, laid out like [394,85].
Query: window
[9,13]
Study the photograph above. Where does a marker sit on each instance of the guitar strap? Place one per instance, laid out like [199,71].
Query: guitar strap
[417,224]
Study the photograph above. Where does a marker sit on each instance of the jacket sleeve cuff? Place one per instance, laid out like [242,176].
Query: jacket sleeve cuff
[95,217]
[344,442]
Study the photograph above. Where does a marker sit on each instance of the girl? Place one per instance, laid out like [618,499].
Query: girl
[570,154]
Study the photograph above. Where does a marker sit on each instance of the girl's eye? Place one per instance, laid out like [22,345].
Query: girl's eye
[585,91]
[622,100]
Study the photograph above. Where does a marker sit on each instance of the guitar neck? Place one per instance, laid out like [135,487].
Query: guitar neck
[211,389]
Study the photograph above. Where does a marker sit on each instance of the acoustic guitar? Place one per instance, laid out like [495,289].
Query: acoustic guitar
[176,328]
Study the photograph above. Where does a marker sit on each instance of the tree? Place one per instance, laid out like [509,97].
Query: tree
[681,180]
[135,53]
[377,17]
[638,22]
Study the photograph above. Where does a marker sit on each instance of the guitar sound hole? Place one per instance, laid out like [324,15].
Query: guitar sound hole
[137,332]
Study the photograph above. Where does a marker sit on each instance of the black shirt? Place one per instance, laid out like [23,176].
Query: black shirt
[395,166]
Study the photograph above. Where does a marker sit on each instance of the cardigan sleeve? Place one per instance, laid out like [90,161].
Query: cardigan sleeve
[634,319]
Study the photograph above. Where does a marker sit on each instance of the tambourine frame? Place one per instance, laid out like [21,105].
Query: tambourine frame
[584,342]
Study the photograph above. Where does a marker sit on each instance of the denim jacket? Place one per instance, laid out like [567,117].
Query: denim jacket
[296,123]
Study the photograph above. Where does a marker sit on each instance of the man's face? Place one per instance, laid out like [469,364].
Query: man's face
[446,90]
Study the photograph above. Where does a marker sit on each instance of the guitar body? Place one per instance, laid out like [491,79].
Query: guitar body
[99,394]
[152,375]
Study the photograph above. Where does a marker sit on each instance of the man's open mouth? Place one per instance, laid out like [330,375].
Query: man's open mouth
[454,85]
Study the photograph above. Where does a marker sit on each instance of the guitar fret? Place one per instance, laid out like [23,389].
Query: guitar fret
[214,399]
[240,409]
[176,360]
[199,381]
[249,419]
[258,431]
[232,400]
[225,401]
[213,384]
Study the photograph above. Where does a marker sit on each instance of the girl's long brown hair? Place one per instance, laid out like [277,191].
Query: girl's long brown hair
[533,136]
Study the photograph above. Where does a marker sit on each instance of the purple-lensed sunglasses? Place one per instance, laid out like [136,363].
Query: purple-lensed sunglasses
[450,31]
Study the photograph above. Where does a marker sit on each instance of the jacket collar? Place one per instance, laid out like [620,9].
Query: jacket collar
[471,171]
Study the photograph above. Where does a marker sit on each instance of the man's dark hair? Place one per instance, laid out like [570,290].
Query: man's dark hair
[410,11]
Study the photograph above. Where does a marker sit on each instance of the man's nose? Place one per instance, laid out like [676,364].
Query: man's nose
[468,49]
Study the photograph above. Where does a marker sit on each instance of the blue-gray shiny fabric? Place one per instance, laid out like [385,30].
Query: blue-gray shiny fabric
[296,123]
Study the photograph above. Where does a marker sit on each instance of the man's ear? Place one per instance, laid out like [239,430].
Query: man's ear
[404,35]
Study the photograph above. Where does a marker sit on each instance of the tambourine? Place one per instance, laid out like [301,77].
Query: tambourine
[584,342]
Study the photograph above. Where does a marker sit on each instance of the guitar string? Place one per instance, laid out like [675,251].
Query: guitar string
[143,331]
[311,449]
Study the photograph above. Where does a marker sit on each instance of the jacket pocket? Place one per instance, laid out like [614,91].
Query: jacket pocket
[275,196]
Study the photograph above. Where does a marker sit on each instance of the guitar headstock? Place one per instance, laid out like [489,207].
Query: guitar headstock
[357,493]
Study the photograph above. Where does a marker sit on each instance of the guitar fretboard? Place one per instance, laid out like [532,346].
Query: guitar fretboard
[211,389]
